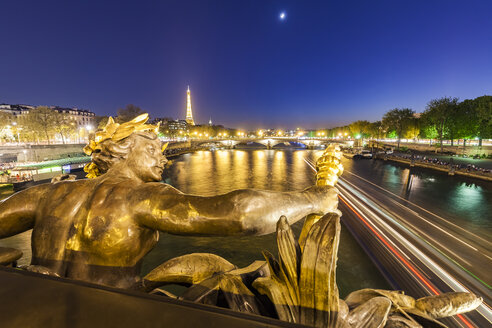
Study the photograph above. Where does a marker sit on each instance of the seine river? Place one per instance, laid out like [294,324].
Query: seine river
[215,172]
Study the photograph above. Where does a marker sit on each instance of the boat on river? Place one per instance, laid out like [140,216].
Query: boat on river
[28,175]
[364,154]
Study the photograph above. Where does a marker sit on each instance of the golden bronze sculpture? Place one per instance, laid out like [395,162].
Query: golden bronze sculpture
[301,286]
[99,229]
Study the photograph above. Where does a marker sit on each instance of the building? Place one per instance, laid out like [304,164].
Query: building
[161,120]
[175,126]
[189,114]
[15,110]
[81,117]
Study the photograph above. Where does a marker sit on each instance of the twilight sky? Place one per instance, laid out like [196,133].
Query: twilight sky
[328,63]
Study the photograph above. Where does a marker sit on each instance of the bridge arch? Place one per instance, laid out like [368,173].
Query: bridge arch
[251,143]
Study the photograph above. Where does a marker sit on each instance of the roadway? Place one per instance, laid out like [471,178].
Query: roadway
[416,250]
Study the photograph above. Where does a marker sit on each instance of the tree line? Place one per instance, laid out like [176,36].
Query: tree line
[443,119]
[41,124]
[45,124]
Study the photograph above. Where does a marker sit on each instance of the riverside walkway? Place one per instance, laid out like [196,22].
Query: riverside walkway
[452,168]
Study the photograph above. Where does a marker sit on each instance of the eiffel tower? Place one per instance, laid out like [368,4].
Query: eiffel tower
[189,115]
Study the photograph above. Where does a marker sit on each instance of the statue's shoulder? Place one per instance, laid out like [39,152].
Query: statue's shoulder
[156,187]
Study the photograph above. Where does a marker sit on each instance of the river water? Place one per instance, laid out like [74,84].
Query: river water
[215,172]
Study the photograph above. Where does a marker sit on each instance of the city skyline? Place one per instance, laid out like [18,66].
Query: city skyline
[321,65]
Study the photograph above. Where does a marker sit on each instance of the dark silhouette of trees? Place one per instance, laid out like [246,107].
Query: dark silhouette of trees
[128,113]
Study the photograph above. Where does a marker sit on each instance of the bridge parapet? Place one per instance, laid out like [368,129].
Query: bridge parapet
[268,142]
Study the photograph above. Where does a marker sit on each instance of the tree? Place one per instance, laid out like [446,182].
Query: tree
[465,121]
[428,130]
[128,113]
[6,120]
[397,120]
[483,107]
[375,129]
[63,125]
[359,128]
[100,122]
[41,121]
[412,129]
[440,112]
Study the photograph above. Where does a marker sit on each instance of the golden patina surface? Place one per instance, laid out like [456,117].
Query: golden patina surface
[99,229]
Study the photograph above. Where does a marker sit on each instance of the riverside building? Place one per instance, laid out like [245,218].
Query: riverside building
[81,117]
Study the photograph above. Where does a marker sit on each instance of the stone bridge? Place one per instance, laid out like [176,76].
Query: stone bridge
[268,142]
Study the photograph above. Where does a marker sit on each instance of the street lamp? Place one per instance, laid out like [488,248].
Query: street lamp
[17,130]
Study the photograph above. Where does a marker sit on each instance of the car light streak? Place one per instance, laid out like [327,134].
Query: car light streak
[372,216]
[412,230]
[423,209]
[416,231]
[445,277]
[409,266]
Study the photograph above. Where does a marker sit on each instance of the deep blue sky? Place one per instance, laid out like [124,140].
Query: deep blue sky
[328,63]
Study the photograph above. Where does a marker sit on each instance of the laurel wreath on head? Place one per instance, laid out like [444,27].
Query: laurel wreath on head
[116,132]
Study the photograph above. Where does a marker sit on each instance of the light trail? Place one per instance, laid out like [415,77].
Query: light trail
[372,216]
[421,208]
[437,270]
[412,229]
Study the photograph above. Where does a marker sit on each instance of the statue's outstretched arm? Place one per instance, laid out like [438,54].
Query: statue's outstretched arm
[17,212]
[240,212]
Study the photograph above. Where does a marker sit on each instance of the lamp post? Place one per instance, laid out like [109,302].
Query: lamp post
[16,130]
[89,128]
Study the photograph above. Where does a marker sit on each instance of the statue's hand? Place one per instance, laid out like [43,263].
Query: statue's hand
[328,167]
[324,199]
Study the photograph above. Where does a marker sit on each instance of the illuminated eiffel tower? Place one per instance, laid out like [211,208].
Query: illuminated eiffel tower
[189,115]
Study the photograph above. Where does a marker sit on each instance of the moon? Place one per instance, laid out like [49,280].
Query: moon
[282,15]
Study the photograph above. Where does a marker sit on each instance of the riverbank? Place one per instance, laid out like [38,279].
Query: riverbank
[450,169]
[457,150]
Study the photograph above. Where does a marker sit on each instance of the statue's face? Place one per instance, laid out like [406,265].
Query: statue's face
[146,159]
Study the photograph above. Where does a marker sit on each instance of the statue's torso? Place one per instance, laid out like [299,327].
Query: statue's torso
[86,230]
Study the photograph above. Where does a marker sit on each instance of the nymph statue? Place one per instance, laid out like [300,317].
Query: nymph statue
[99,229]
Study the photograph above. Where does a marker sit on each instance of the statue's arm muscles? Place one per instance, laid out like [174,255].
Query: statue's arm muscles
[240,212]
[17,212]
